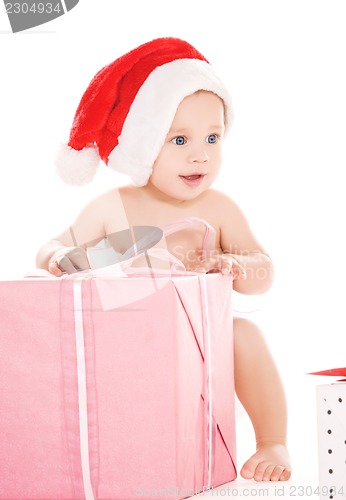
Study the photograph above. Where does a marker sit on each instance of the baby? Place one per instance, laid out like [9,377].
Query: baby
[159,114]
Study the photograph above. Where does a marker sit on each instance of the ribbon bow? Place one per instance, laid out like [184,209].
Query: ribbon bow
[334,372]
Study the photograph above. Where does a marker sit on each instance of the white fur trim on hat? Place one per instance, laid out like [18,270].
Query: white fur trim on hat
[77,167]
[152,112]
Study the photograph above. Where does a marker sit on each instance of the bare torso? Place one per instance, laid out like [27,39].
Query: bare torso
[121,208]
[142,210]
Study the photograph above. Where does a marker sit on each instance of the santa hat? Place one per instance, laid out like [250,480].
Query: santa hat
[127,110]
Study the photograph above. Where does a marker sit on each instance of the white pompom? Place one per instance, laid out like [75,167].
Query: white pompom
[76,167]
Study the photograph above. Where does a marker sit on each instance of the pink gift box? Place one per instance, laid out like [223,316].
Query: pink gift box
[136,401]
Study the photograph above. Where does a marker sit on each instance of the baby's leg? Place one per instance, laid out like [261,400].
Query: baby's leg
[260,391]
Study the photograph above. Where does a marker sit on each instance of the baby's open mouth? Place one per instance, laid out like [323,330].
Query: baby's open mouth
[193,180]
[192,177]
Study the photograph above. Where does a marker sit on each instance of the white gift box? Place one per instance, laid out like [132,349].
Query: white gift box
[331,424]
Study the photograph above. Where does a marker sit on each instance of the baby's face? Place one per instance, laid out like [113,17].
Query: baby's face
[190,158]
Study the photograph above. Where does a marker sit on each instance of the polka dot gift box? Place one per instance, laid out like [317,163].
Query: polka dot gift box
[331,424]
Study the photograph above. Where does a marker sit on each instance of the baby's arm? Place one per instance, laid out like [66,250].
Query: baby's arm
[66,252]
[238,241]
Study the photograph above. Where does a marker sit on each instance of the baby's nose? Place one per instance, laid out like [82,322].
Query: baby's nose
[199,155]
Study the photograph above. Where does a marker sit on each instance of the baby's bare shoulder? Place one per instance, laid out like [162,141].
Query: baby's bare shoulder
[219,202]
[106,210]
[224,213]
[113,196]
[104,197]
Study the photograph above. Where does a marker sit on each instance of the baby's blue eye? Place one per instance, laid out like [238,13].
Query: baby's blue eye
[180,140]
[211,139]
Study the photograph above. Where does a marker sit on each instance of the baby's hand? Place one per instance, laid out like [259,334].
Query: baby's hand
[224,264]
[68,260]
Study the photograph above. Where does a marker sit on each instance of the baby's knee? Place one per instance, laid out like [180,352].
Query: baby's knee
[246,332]
[245,326]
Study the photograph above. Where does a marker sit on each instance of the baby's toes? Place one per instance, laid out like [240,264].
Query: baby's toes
[286,474]
[263,469]
[248,469]
[268,473]
[277,473]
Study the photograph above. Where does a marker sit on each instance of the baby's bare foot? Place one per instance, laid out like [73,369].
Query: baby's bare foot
[271,462]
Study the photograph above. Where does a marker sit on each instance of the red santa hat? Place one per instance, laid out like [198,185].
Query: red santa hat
[127,110]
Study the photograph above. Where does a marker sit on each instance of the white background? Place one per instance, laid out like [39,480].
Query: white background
[284,63]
